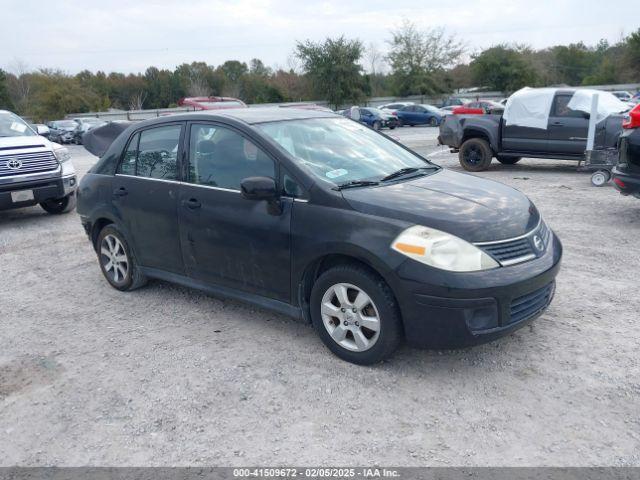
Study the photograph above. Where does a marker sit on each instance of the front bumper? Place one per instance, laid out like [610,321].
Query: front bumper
[43,189]
[390,123]
[449,310]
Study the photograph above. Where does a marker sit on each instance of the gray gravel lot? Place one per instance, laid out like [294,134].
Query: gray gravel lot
[170,376]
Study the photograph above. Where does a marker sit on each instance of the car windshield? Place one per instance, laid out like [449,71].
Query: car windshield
[377,111]
[341,151]
[67,124]
[13,126]
[431,108]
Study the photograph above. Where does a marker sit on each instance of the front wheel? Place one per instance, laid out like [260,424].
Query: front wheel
[356,314]
[475,155]
[433,122]
[57,206]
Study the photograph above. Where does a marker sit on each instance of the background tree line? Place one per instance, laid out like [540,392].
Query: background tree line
[342,71]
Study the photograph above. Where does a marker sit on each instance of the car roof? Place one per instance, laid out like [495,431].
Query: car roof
[253,115]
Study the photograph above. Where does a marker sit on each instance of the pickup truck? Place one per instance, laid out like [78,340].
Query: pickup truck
[33,170]
[561,135]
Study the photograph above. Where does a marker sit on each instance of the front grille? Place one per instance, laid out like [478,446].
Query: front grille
[22,163]
[514,251]
[529,305]
[510,252]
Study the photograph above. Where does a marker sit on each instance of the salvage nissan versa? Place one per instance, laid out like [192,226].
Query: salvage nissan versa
[317,216]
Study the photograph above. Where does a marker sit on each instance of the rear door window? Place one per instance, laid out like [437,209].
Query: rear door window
[158,152]
[153,153]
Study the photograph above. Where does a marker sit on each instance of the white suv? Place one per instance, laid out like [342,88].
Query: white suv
[33,170]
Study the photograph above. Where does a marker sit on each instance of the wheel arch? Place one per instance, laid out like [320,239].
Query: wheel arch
[477,132]
[324,262]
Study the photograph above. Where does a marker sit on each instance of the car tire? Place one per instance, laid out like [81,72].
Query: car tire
[345,333]
[376,125]
[475,155]
[57,206]
[600,178]
[117,261]
[508,160]
[391,127]
[433,122]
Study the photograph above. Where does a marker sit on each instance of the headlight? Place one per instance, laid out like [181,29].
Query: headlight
[441,250]
[62,154]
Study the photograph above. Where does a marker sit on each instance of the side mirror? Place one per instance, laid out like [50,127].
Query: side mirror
[42,130]
[259,188]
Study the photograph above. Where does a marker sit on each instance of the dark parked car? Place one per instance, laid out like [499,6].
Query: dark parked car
[419,115]
[319,217]
[62,131]
[626,175]
[558,132]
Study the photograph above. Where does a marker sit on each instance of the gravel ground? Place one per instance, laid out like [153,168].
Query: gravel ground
[170,376]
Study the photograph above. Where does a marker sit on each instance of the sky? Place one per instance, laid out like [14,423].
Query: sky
[130,35]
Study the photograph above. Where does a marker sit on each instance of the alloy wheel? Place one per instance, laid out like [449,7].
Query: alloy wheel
[350,317]
[114,258]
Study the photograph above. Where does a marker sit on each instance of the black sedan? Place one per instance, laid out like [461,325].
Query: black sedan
[626,175]
[319,217]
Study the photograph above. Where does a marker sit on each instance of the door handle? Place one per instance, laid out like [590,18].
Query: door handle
[120,192]
[557,124]
[192,203]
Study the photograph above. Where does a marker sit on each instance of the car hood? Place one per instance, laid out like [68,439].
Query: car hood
[469,207]
[10,143]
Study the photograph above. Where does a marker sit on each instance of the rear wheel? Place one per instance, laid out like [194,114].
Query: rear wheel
[377,125]
[355,314]
[475,155]
[508,160]
[56,206]
[117,261]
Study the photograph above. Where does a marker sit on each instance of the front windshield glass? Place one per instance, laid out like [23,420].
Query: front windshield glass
[13,126]
[65,124]
[340,150]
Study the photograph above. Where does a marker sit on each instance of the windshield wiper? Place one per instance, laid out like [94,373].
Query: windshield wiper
[355,183]
[402,172]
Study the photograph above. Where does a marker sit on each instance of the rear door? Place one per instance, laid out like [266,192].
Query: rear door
[226,239]
[145,193]
[567,128]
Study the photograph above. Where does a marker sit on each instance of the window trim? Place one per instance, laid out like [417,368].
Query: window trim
[217,124]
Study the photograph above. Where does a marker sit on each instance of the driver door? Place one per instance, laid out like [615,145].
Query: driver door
[226,239]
